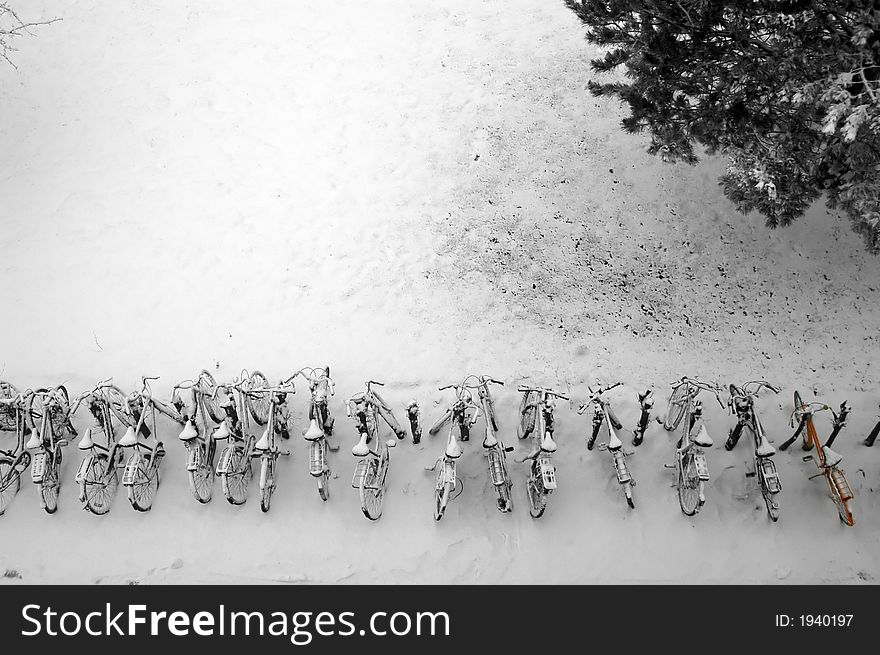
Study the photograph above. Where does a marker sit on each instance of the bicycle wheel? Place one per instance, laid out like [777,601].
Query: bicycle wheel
[372,491]
[628,492]
[537,498]
[143,491]
[10,483]
[675,409]
[99,485]
[734,436]
[267,478]
[237,481]
[505,499]
[688,485]
[595,433]
[490,403]
[258,404]
[50,487]
[439,422]
[441,494]
[527,410]
[201,479]
[770,502]
[212,404]
[324,485]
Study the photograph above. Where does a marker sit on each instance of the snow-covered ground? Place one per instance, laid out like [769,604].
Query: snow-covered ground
[409,192]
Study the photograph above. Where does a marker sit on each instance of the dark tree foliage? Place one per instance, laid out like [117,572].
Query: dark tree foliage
[788,90]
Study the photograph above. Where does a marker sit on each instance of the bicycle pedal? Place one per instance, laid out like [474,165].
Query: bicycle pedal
[286,453]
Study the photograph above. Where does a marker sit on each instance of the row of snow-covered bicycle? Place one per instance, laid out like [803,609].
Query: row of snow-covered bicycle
[124,439]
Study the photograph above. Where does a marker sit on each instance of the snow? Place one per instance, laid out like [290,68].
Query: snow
[408,192]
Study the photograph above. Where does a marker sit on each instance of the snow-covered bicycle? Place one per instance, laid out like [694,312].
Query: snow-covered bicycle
[537,420]
[49,410]
[692,470]
[320,426]
[742,403]
[371,449]
[604,415]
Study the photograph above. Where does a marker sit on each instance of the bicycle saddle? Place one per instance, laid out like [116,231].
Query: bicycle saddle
[490,441]
[129,438]
[831,458]
[453,449]
[189,431]
[702,438]
[361,449]
[34,441]
[547,443]
[222,432]
[613,442]
[314,432]
[765,449]
[86,442]
[263,443]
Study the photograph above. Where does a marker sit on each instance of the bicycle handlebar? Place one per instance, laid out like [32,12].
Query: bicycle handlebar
[523,388]
[759,384]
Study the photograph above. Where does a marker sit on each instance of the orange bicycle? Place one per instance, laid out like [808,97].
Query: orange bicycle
[826,459]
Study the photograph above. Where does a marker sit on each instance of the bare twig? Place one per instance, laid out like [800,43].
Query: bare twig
[12,27]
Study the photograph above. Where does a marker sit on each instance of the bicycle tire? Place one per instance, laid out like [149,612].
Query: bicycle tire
[537,499]
[688,485]
[259,408]
[505,497]
[267,477]
[236,484]
[528,414]
[372,497]
[441,494]
[676,408]
[490,403]
[99,486]
[324,486]
[872,437]
[212,404]
[772,506]
[734,436]
[201,480]
[593,435]
[10,483]
[50,487]
[142,492]
[628,492]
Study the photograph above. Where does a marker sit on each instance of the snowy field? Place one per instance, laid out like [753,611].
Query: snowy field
[409,192]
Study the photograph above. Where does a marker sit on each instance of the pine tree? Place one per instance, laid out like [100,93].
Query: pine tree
[788,90]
